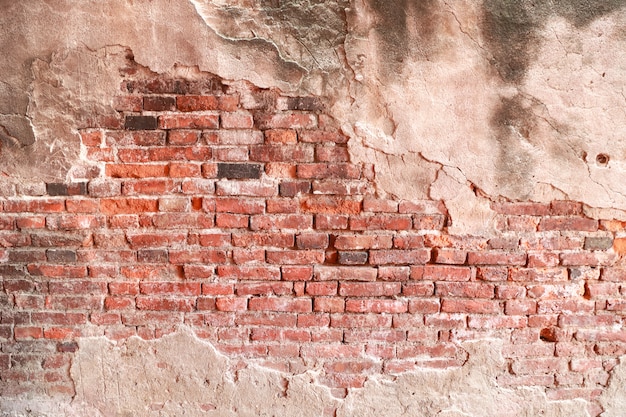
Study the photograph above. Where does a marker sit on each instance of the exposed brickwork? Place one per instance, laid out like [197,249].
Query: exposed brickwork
[223,217]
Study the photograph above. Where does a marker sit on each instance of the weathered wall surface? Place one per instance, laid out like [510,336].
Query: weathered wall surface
[408,206]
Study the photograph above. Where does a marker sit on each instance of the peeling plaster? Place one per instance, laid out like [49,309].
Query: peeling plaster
[135,378]
[416,86]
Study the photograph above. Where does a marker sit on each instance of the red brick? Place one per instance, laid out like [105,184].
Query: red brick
[565,306]
[264,288]
[369,289]
[189,103]
[587,258]
[188,121]
[281,221]
[283,136]
[57,318]
[295,257]
[203,256]
[446,273]
[321,288]
[136,170]
[128,205]
[408,241]
[124,288]
[386,257]
[31,222]
[532,275]
[331,222]
[282,205]
[568,224]
[360,242]
[325,171]
[58,271]
[381,222]
[353,321]
[217,289]
[298,305]
[315,320]
[182,137]
[182,220]
[497,322]
[280,335]
[322,204]
[319,136]
[25,333]
[165,303]
[424,306]
[287,121]
[148,240]
[329,304]
[237,120]
[244,256]
[297,273]
[471,306]
[344,273]
[257,273]
[376,306]
[538,366]
[119,303]
[464,289]
[335,154]
[394,273]
[246,188]
[341,187]
[418,289]
[522,209]
[235,221]
[231,304]
[240,206]
[496,258]
[236,138]
[184,170]
[74,222]
[171,288]
[279,240]
[312,241]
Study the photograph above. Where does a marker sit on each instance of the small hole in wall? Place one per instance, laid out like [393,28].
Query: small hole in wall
[602,159]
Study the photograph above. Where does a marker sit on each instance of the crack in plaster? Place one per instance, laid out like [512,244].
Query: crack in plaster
[182,374]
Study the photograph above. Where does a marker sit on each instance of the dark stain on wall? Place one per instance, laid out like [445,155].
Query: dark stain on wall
[513,122]
[510,28]
[405,28]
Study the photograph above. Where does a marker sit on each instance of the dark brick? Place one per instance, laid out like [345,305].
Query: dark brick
[60,255]
[67,347]
[238,170]
[159,103]
[293,188]
[152,255]
[208,85]
[304,104]
[352,258]
[140,123]
[60,189]
[598,243]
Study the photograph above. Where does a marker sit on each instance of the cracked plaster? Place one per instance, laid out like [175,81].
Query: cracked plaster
[417,86]
[125,379]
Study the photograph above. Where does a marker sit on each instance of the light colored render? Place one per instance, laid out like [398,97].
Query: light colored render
[180,373]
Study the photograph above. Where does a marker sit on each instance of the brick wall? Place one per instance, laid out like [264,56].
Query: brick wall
[237,212]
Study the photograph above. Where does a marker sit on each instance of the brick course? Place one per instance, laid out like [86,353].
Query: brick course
[191,214]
